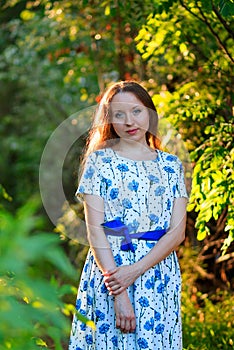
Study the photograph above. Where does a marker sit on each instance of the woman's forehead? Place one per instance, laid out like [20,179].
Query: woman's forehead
[125,99]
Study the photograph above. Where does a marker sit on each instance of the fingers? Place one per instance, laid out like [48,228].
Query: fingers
[110,283]
[110,272]
[123,325]
[114,289]
[125,317]
[118,323]
[114,286]
[126,324]
[133,325]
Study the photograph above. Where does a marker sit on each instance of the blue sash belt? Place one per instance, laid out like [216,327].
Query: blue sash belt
[118,228]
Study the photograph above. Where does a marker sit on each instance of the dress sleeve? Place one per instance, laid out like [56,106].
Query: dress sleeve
[90,179]
[180,188]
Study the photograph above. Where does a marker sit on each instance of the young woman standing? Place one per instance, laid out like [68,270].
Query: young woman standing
[135,208]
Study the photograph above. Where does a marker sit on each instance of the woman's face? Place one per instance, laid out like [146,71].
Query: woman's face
[130,118]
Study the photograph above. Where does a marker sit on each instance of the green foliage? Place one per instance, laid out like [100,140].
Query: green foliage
[55,57]
[226,7]
[32,311]
[213,180]
[207,318]
[34,100]
[4,194]
[210,326]
[189,51]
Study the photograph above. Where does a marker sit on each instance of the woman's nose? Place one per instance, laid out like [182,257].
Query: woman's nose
[128,119]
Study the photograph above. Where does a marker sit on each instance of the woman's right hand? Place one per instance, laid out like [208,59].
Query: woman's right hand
[125,317]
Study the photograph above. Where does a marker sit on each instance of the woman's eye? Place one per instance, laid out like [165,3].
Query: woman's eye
[136,111]
[119,115]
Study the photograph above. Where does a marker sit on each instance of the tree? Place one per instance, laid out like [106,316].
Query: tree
[55,58]
[191,46]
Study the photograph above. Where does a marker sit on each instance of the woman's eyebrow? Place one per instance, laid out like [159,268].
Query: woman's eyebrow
[137,106]
[117,110]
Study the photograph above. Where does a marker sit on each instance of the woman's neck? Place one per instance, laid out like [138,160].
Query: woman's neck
[134,150]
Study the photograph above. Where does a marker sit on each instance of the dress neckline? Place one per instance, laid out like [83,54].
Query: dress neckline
[117,155]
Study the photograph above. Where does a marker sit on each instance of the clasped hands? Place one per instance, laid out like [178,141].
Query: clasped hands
[117,281]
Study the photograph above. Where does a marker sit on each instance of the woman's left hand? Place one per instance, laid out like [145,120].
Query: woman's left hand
[120,278]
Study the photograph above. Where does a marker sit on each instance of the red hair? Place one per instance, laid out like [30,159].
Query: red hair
[102,133]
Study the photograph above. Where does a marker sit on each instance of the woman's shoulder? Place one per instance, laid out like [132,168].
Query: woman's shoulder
[101,153]
[99,156]
[169,158]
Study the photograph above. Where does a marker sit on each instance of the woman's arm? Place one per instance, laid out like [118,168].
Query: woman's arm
[118,279]
[94,214]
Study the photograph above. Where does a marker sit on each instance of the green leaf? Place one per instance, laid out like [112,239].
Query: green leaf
[85,320]
[27,15]
[202,233]
[4,194]
[107,10]
[183,48]
[226,8]
[41,342]
[190,206]
[26,293]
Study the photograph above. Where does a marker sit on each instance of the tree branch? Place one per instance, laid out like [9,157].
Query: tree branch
[222,45]
[210,244]
[190,11]
[203,18]
[203,273]
[225,257]
[221,19]
[197,48]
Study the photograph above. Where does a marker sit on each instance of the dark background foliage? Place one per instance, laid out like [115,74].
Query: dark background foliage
[55,60]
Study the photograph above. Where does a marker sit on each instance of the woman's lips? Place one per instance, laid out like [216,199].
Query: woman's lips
[132,131]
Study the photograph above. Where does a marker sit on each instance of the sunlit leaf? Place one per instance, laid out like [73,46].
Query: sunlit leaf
[107,10]
[27,15]
[41,342]
[85,320]
[201,235]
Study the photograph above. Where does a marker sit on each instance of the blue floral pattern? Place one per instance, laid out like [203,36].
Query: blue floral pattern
[141,194]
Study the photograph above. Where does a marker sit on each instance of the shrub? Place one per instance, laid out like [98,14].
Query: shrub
[208,321]
[32,312]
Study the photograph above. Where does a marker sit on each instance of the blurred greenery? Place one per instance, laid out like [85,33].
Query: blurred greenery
[32,268]
[207,317]
[209,326]
[56,58]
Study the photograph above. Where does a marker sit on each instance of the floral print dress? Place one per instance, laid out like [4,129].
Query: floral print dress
[141,194]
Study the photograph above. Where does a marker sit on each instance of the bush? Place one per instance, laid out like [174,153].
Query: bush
[208,321]
[32,313]
[210,326]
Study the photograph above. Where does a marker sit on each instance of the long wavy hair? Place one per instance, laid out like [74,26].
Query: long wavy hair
[102,133]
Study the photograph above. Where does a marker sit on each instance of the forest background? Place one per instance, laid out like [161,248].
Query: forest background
[56,57]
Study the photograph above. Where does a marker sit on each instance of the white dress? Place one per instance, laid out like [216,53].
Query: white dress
[141,194]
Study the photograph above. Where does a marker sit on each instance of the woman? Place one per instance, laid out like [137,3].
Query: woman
[135,208]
